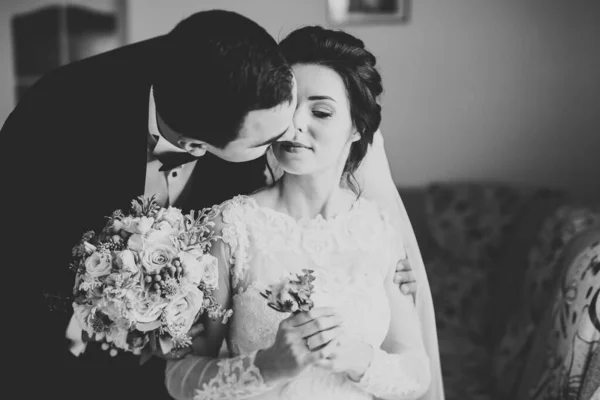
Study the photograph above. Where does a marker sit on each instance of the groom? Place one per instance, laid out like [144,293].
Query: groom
[187,116]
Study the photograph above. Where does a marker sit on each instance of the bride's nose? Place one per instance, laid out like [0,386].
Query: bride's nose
[300,121]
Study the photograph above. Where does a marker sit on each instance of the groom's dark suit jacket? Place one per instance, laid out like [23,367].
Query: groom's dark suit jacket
[74,149]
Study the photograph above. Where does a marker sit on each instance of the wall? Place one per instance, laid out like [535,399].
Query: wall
[475,89]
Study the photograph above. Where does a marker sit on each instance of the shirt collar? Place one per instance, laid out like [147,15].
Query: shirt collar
[162,144]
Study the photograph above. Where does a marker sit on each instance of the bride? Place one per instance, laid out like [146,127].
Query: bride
[363,339]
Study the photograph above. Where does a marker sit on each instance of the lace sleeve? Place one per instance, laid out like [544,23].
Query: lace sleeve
[204,375]
[400,369]
[213,378]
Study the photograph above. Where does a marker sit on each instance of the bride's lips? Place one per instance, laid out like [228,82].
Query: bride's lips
[293,147]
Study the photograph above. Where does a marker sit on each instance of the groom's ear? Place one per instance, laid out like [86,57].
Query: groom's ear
[195,147]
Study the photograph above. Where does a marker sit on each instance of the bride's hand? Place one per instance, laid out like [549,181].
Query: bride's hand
[348,354]
[301,340]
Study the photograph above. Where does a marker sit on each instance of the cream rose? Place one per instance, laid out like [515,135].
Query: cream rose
[181,311]
[198,267]
[210,267]
[125,260]
[98,264]
[147,316]
[192,267]
[154,257]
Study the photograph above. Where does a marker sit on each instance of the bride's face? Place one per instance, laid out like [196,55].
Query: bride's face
[323,125]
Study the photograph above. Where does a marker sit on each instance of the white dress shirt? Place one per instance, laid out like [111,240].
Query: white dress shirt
[167,186]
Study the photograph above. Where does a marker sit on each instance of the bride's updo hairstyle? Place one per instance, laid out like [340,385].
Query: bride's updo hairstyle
[346,55]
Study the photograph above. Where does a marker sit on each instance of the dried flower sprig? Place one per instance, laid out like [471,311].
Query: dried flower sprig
[292,295]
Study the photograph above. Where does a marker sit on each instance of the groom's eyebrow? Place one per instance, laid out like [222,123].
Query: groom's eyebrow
[272,139]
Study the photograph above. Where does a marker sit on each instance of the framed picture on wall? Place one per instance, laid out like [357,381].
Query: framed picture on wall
[347,12]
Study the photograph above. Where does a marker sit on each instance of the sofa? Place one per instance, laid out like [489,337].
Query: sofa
[515,280]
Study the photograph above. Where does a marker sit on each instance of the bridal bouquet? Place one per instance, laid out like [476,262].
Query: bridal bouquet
[292,294]
[146,278]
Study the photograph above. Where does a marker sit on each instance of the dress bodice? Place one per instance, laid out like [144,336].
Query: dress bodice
[350,255]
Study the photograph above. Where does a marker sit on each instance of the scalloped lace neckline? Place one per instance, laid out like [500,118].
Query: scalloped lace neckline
[318,220]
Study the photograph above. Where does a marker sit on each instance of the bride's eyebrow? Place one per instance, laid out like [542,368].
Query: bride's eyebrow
[321,98]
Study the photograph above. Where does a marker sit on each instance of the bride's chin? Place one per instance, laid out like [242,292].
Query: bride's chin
[293,165]
[294,169]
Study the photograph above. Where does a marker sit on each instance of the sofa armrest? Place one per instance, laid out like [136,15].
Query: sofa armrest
[569,332]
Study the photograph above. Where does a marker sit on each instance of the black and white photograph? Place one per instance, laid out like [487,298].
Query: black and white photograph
[301,199]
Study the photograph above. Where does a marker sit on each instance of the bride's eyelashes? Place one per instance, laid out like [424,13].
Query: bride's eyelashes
[322,114]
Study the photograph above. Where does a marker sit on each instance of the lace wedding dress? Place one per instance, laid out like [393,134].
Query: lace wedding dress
[351,254]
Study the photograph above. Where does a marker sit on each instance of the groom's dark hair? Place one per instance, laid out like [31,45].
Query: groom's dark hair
[218,66]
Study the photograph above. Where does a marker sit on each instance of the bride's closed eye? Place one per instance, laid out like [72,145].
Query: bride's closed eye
[322,114]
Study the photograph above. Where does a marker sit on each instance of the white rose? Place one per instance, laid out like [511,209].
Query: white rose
[210,266]
[125,260]
[193,270]
[98,264]
[198,267]
[181,311]
[147,315]
[155,257]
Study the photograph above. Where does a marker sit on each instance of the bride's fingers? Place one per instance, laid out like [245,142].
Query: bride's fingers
[319,325]
[322,354]
[302,318]
[325,363]
[322,338]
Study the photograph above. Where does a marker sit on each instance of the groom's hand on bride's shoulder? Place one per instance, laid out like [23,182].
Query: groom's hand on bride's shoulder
[405,277]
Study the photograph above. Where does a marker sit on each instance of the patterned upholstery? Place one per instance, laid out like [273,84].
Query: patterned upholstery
[490,301]
[561,278]
[467,223]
